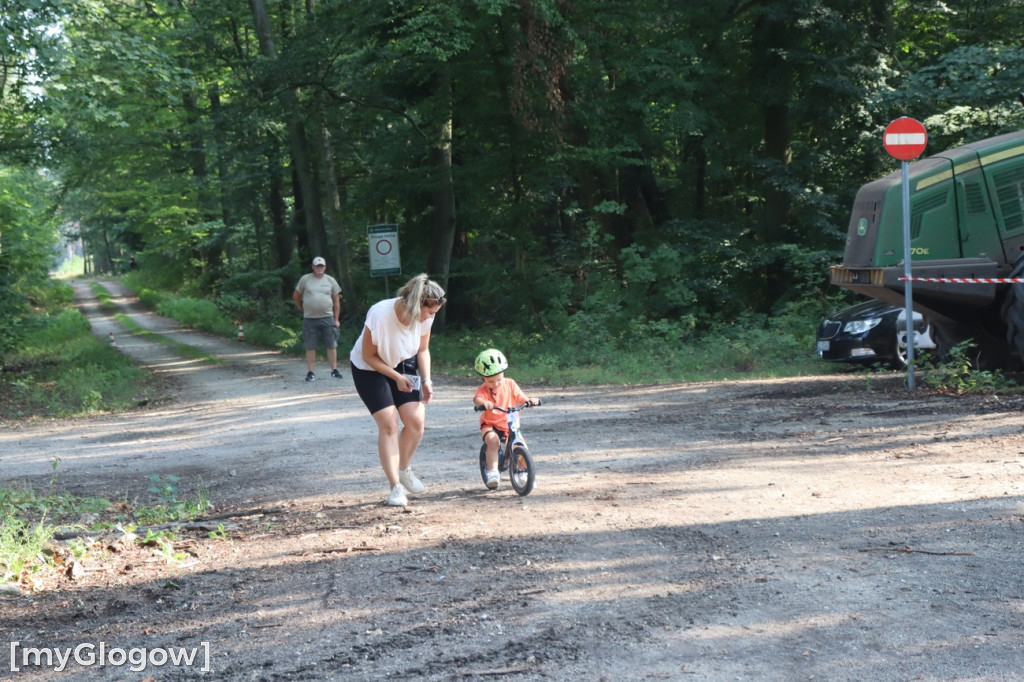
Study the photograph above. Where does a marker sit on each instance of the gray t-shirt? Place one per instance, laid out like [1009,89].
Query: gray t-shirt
[317,295]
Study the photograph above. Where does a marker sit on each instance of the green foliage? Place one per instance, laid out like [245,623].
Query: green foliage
[29,519]
[197,313]
[59,350]
[48,294]
[254,300]
[285,337]
[219,534]
[957,373]
[142,285]
[607,183]
[14,311]
[171,504]
[27,240]
[653,287]
[21,546]
[650,352]
[282,330]
[164,541]
[981,76]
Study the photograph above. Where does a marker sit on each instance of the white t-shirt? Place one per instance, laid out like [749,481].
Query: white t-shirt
[395,342]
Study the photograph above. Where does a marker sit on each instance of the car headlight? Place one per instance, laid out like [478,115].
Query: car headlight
[861,326]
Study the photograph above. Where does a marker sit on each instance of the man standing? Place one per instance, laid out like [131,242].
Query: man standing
[318,296]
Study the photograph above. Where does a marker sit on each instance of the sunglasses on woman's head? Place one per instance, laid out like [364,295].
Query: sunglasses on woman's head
[439,301]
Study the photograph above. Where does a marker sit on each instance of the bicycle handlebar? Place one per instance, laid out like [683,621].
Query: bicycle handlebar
[515,408]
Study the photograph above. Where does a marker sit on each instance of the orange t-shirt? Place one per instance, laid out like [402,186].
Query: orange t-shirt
[506,395]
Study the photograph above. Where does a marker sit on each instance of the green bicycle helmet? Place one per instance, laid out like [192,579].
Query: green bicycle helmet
[490,362]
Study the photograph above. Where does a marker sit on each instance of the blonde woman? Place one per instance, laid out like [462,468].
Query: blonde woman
[391,371]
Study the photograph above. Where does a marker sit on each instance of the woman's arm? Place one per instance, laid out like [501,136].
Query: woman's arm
[374,360]
[423,364]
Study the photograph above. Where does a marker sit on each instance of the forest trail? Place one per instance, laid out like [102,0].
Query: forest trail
[813,528]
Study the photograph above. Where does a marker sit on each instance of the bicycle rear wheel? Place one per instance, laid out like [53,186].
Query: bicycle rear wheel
[520,470]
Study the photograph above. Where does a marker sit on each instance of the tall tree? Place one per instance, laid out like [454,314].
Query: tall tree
[302,163]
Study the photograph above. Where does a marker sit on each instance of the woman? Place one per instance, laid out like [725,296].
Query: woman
[393,346]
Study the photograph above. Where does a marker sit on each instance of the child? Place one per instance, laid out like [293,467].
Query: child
[497,390]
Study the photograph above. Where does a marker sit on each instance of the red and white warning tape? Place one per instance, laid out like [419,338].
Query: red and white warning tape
[967,280]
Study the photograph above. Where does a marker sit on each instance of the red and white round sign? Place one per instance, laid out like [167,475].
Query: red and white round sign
[905,139]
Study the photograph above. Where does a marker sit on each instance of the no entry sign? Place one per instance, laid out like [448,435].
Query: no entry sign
[905,139]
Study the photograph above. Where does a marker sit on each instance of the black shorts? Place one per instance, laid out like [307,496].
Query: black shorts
[502,435]
[378,391]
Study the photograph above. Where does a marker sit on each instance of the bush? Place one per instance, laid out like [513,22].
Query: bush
[59,351]
[198,314]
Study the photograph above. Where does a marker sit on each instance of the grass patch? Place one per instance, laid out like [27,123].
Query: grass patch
[63,370]
[759,349]
[181,348]
[198,314]
[102,295]
[31,519]
[282,329]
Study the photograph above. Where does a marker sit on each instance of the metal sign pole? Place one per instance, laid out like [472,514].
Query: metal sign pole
[907,288]
[906,139]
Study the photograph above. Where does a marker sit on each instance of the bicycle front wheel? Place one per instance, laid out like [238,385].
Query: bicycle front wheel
[520,470]
[483,463]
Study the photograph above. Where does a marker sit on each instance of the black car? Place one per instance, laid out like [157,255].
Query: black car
[871,332]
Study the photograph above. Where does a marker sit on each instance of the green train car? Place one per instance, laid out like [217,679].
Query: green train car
[966,225]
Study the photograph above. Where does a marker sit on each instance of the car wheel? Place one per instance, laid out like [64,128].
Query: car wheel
[900,348]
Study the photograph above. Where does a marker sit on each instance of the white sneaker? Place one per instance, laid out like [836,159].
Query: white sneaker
[407,478]
[397,497]
[492,478]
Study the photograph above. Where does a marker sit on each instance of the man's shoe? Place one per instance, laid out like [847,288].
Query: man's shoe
[408,479]
[397,497]
[335,373]
[492,478]
[310,376]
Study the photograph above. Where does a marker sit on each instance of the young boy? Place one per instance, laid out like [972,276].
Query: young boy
[497,390]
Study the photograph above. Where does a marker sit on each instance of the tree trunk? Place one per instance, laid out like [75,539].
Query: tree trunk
[213,250]
[284,236]
[773,87]
[223,173]
[443,195]
[337,257]
[305,176]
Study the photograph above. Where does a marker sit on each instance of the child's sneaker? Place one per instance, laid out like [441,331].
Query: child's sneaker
[407,478]
[397,497]
[492,478]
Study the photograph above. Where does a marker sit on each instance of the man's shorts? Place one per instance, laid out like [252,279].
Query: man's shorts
[321,328]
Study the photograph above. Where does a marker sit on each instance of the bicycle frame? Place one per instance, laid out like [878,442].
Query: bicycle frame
[514,438]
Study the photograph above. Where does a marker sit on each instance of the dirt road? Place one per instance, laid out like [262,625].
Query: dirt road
[830,528]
